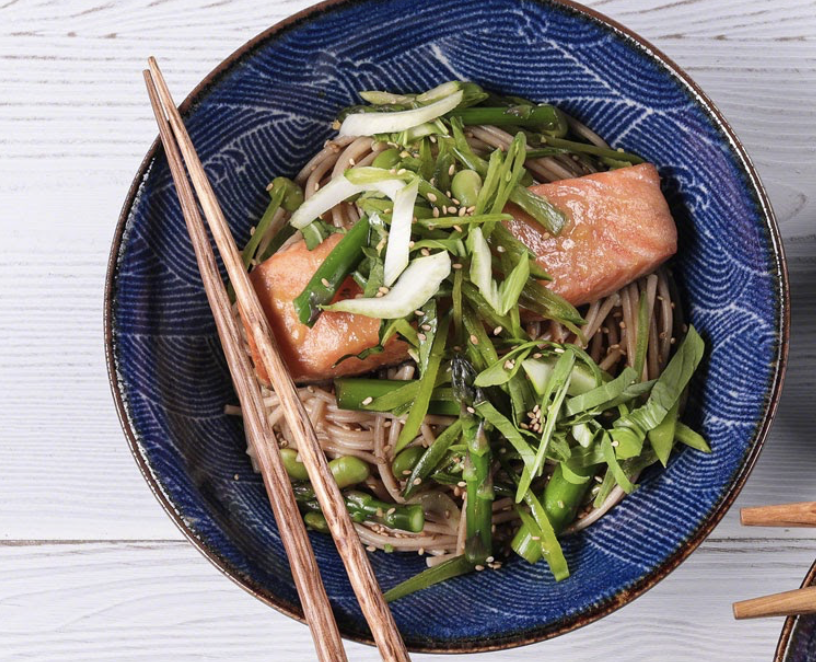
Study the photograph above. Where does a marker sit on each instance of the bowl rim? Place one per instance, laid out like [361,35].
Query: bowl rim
[599,610]
[786,636]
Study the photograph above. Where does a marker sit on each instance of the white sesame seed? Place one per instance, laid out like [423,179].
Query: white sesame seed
[479,568]
[462,211]
[325,282]
[431,197]
[435,212]
[368,401]
[501,249]
[473,339]
[497,331]
[471,410]
[422,337]
[417,481]
[458,228]
[419,313]
[452,169]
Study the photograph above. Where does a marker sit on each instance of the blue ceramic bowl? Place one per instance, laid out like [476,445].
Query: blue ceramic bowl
[797,643]
[263,112]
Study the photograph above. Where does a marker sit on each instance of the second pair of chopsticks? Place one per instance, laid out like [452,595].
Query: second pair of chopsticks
[180,153]
[787,603]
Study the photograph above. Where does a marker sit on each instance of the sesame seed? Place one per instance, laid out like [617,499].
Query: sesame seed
[473,339]
[236,477]
[325,282]
[421,551]
[615,444]
[462,211]
[490,559]
[390,511]
[421,336]
[316,186]
[406,472]
[537,355]
[598,479]
[419,313]
[456,265]
[401,171]
[417,481]
[458,228]
[470,410]
[462,483]
[368,401]
[471,209]
[535,538]
[371,548]
[501,249]
[426,327]
[435,212]
[455,201]
[411,244]
[252,231]
[497,331]
[431,197]
[479,568]
[383,289]
[452,169]
[352,162]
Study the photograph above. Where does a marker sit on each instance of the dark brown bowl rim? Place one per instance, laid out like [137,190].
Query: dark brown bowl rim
[625,596]
[790,622]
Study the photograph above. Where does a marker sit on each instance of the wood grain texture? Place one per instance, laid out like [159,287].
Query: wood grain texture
[74,125]
[145,601]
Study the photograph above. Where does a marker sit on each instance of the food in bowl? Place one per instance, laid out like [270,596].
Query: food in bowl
[472,291]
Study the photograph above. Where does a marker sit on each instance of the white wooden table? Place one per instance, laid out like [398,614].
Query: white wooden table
[90,566]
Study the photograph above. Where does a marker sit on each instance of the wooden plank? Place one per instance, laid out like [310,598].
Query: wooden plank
[152,601]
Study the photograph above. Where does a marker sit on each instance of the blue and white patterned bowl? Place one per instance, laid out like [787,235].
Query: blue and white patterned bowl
[262,113]
[797,643]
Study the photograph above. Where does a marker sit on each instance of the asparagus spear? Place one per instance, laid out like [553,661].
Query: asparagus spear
[325,282]
[479,505]
[363,507]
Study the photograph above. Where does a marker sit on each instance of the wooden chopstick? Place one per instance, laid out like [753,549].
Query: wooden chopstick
[316,606]
[789,603]
[361,575]
[786,514]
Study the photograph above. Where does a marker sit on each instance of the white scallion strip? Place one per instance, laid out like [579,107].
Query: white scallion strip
[440,91]
[370,124]
[379,98]
[481,267]
[418,283]
[333,193]
[399,236]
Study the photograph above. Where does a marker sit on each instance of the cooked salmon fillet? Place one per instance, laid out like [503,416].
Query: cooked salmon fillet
[310,353]
[618,229]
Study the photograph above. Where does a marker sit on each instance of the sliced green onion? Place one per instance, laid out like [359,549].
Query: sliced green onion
[399,236]
[335,192]
[370,124]
[455,567]
[418,283]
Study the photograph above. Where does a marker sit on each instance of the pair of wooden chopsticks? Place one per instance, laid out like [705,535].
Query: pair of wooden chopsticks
[316,607]
[788,603]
